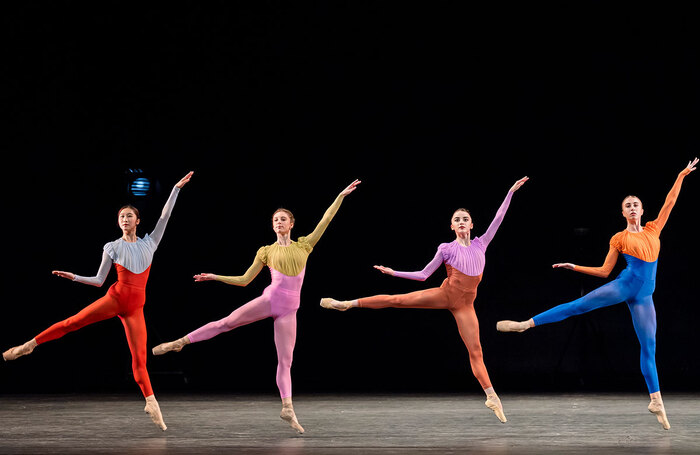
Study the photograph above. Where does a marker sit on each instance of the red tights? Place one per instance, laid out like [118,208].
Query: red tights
[125,299]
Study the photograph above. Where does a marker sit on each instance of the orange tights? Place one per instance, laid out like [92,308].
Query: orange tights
[456,294]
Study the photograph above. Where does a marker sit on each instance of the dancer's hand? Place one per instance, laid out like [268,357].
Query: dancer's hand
[516,186]
[564,265]
[70,276]
[350,188]
[690,167]
[184,180]
[386,270]
[205,277]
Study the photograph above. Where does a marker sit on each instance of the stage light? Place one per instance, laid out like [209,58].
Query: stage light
[137,183]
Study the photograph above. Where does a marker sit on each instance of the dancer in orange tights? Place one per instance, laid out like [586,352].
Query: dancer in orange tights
[464,259]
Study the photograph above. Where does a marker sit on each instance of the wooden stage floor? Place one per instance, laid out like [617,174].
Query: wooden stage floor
[352,424]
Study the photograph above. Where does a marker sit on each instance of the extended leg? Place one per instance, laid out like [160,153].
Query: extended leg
[255,310]
[606,295]
[103,308]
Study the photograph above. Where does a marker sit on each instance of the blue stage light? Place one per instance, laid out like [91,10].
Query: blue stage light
[138,184]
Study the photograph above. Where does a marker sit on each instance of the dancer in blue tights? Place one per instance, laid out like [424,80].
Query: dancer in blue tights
[640,246]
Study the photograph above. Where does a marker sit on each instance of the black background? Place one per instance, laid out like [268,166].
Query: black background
[433,105]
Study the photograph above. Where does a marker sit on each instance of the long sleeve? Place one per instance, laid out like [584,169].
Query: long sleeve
[246,278]
[157,233]
[315,236]
[495,224]
[426,272]
[99,279]
[671,199]
[605,269]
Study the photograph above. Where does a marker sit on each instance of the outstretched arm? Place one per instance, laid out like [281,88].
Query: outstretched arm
[672,196]
[242,280]
[158,231]
[602,271]
[496,223]
[418,276]
[97,280]
[315,236]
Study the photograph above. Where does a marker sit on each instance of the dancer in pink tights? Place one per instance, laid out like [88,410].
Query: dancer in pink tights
[286,260]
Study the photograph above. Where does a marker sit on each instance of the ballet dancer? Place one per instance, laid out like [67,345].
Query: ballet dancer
[286,260]
[132,257]
[635,285]
[464,260]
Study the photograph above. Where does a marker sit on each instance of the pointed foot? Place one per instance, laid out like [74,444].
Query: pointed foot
[333,304]
[512,326]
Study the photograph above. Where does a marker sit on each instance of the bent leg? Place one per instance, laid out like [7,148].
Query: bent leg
[606,295]
[136,336]
[434,298]
[255,310]
[644,321]
[103,308]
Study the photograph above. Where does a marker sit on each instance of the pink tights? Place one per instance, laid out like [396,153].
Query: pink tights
[277,302]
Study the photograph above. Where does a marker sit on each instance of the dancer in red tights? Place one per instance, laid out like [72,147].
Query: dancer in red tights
[132,257]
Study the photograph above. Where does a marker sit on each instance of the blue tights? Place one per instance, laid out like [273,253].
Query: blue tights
[634,285]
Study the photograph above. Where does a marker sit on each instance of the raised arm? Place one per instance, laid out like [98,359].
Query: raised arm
[315,236]
[158,231]
[672,196]
[602,271]
[97,280]
[242,280]
[496,223]
[418,276]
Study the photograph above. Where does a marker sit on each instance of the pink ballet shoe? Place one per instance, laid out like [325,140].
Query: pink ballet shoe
[19,351]
[512,326]
[290,417]
[494,404]
[176,346]
[657,408]
[153,410]
[333,304]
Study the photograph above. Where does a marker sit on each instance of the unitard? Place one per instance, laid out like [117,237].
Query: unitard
[465,266]
[634,285]
[125,298]
[280,300]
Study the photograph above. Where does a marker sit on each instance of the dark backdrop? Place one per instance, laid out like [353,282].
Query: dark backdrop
[433,105]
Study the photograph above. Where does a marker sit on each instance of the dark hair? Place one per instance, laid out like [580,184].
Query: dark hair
[463,210]
[288,212]
[129,206]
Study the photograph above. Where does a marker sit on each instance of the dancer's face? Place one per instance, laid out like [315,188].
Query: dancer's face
[282,223]
[462,223]
[632,208]
[128,220]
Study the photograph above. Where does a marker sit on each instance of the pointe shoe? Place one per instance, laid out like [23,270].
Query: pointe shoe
[658,409]
[333,304]
[511,326]
[494,403]
[290,417]
[153,410]
[19,351]
[176,346]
